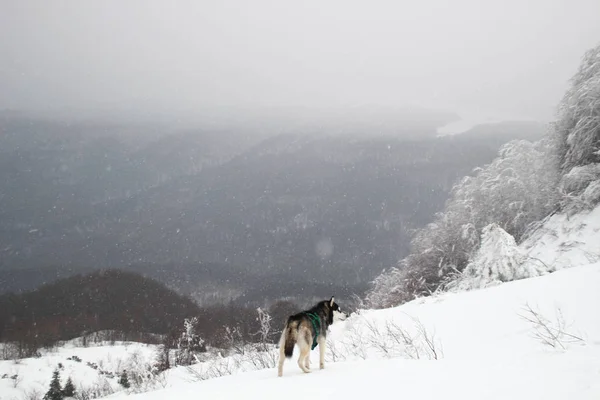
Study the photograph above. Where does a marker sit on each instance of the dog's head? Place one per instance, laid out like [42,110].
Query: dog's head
[335,312]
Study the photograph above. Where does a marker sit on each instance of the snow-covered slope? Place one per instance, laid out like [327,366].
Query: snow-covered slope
[485,349]
[563,242]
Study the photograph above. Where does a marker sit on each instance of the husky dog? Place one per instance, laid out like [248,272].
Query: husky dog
[307,329]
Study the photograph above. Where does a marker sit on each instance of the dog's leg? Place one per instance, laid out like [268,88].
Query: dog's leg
[282,341]
[307,362]
[304,340]
[322,342]
[304,352]
[281,360]
[303,344]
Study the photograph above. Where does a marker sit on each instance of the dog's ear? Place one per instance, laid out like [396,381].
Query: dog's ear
[331,302]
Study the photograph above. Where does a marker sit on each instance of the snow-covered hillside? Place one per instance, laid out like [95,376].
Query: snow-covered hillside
[486,349]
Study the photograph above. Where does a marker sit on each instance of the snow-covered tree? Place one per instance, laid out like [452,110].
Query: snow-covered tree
[515,190]
[388,289]
[579,122]
[497,260]
[581,188]
[55,391]
[189,342]
[163,361]
[265,326]
[578,130]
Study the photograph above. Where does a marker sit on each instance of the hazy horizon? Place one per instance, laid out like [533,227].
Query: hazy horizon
[177,58]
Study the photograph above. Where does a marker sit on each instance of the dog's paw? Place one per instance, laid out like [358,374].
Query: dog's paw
[322,366]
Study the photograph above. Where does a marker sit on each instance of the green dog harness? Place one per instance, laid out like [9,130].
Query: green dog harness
[316,321]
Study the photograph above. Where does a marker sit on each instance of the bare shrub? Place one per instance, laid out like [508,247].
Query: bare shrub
[333,352]
[143,375]
[101,388]
[214,369]
[33,394]
[235,340]
[378,339]
[551,333]
[149,382]
[197,375]
[16,379]
[392,340]
[355,343]
[263,358]
[431,346]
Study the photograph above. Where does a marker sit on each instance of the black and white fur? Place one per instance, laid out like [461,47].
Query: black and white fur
[299,330]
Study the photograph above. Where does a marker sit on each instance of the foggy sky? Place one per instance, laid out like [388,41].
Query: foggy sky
[509,56]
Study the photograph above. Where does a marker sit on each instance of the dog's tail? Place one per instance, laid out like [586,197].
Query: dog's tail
[288,339]
[288,347]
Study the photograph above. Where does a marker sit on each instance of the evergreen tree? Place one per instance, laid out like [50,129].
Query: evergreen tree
[69,389]
[124,380]
[55,391]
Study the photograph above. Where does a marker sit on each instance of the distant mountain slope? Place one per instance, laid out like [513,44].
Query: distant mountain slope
[317,207]
[338,208]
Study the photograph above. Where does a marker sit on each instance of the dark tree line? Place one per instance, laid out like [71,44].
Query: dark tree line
[102,301]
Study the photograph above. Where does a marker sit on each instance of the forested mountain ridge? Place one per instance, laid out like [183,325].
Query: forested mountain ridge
[105,300]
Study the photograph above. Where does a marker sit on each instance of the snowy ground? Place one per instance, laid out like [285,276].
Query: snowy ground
[514,379]
[486,350]
[92,368]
